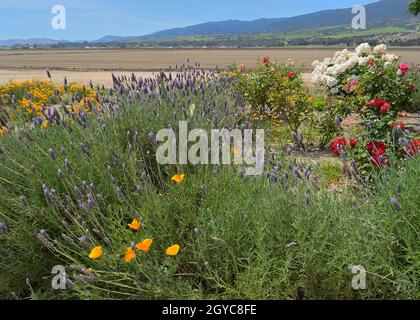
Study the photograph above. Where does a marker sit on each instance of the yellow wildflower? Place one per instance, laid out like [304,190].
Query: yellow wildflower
[173,250]
[3,130]
[144,245]
[178,178]
[129,255]
[96,253]
[134,225]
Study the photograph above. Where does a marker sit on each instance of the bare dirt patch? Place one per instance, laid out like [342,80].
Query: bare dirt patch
[155,59]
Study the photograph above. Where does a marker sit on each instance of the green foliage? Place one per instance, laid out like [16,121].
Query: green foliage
[377,86]
[322,119]
[390,84]
[241,238]
[414,7]
[275,91]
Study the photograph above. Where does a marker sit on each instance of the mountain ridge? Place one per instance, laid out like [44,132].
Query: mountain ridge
[384,13]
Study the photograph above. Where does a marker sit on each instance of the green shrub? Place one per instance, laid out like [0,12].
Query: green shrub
[276,92]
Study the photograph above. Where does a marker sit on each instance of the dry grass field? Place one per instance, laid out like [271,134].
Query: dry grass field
[96,65]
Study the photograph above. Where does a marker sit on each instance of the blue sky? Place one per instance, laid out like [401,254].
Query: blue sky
[92,19]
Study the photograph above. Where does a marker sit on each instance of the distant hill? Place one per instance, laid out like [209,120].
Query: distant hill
[223,27]
[379,14]
[387,21]
[112,39]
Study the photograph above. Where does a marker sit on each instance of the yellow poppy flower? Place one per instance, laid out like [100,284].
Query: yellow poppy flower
[96,253]
[145,245]
[135,225]
[173,250]
[44,124]
[3,130]
[178,178]
[129,255]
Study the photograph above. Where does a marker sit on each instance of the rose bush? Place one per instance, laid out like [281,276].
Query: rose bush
[275,91]
[364,75]
[377,86]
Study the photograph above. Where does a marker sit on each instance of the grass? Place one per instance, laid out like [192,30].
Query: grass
[282,237]
[332,32]
[369,32]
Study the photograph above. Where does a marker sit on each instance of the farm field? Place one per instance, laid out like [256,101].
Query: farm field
[96,65]
[157,59]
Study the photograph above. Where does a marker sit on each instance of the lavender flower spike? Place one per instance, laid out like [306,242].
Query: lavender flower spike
[396,204]
[3,226]
[52,154]
[45,239]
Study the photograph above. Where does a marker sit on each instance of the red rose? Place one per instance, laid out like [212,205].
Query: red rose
[266,60]
[416,145]
[404,67]
[414,148]
[398,124]
[353,143]
[413,86]
[290,74]
[376,103]
[385,108]
[376,148]
[337,146]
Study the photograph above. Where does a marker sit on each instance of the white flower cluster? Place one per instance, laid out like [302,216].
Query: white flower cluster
[327,73]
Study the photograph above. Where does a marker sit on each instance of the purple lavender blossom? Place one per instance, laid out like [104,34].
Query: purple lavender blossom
[396,204]
[45,239]
[3,226]
[52,154]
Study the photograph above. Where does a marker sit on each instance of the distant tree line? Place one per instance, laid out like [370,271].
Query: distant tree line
[241,43]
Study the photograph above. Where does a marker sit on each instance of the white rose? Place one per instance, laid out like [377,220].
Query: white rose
[331,81]
[345,54]
[334,90]
[363,49]
[380,49]
[363,60]
[391,57]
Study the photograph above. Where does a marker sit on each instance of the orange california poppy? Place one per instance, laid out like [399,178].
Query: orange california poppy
[129,255]
[173,250]
[178,178]
[135,225]
[144,245]
[96,253]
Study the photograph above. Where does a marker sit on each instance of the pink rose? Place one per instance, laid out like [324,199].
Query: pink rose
[404,67]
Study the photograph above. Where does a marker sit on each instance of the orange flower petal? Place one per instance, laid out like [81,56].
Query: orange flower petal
[96,253]
[178,178]
[144,245]
[129,255]
[173,250]
[134,225]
